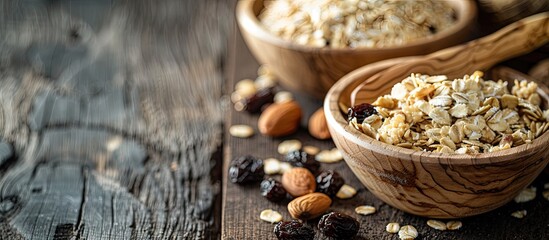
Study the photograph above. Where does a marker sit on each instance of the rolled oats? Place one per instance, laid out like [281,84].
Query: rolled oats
[346,192]
[407,232]
[526,195]
[289,145]
[438,225]
[269,215]
[241,131]
[271,166]
[392,227]
[519,214]
[365,210]
[454,225]
[465,115]
[358,23]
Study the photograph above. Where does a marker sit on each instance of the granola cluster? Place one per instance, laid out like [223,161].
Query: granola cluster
[465,115]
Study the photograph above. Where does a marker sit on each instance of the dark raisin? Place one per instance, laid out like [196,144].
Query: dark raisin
[254,103]
[293,230]
[299,158]
[329,182]
[338,225]
[361,112]
[272,190]
[246,169]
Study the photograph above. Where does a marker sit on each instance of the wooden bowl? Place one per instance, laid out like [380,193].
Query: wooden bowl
[440,185]
[313,70]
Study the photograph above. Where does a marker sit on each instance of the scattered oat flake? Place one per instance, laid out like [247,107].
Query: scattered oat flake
[283,96]
[407,232]
[392,227]
[519,214]
[269,215]
[311,150]
[454,225]
[438,225]
[546,194]
[285,166]
[546,186]
[346,192]
[241,131]
[271,166]
[365,210]
[526,195]
[329,156]
[289,145]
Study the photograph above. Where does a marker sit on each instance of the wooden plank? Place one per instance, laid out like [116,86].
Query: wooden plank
[242,204]
[110,118]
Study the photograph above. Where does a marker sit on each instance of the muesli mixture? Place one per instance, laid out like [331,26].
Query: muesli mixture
[464,115]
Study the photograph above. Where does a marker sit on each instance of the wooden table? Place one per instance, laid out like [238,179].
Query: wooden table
[112,118]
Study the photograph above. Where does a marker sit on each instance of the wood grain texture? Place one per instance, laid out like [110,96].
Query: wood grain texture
[110,115]
[479,54]
[313,71]
[242,204]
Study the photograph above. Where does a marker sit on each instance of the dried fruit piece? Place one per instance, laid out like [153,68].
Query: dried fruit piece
[519,214]
[526,195]
[338,225]
[329,182]
[365,210]
[246,169]
[309,206]
[329,156]
[293,230]
[269,215]
[346,192]
[271,166]
[289,145]
[254,103]
[361,112]
[241,131]
[407,232]
[392,227]
[298,181]
[272,190]
[438,225]
[280,119]
[302,159]
[318,127]
[454,225]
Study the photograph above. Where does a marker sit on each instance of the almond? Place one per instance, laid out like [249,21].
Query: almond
[309,206]
[280,119]
[318,127]
[298,181]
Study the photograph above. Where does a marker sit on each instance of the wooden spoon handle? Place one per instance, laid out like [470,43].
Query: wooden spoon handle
[516,39]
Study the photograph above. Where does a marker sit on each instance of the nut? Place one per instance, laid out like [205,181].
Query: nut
[309,206]
[280,119]
[298,181]
[269,215]
[365,210]
[318,127]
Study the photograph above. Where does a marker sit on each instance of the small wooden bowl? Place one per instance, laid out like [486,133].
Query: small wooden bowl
[313,70]
[434,184]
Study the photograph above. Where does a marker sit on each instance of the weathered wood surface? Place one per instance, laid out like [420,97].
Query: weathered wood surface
[110,115]
[242,204]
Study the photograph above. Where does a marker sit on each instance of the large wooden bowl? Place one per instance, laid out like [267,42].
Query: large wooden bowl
[435,184]
[313,70]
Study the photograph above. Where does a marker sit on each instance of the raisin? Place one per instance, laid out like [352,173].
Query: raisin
[299,158]
[338,225]
[293,230]
[254,103]
[361,112]
[246,169]
[329,182]
[272,190]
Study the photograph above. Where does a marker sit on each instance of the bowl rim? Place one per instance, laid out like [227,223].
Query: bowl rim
[340,126]
[249,22]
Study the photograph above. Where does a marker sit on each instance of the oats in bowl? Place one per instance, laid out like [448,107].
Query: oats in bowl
[465,115]
[356,23]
